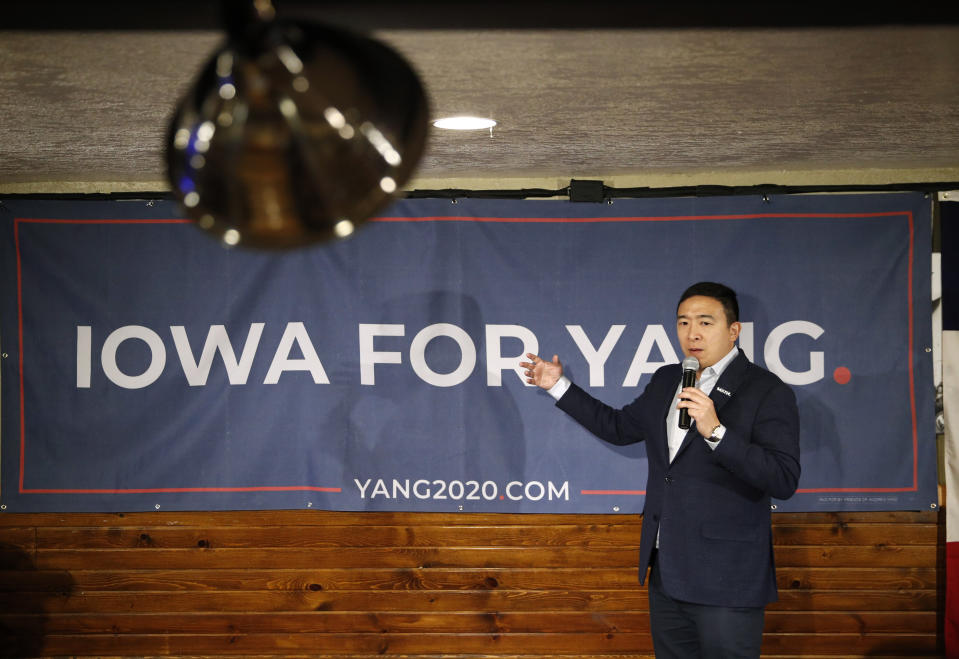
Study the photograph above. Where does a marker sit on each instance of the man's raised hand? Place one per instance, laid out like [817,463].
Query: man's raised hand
[542,373]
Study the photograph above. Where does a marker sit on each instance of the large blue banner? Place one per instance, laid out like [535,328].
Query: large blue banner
[146,366]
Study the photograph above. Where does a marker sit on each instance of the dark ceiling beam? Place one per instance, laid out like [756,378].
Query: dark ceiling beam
[490,14]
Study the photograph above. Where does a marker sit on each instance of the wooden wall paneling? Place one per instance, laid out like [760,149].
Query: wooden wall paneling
[859,584]
[311,583]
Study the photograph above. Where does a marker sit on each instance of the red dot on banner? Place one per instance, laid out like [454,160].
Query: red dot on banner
[842,375]
[501,497]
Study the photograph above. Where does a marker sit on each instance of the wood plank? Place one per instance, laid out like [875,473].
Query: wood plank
[332,622]
[312,517]
[851,622]
[368,518]
[888,517]
[469,655]
[841,533]
[28,580]
[16,558]
[512,536]
[463,557]
[348,644]
[792,622]
[72,646]
[359,557]
[852,578]
[568,535]
[18,537]
[931,517]
[323,579]
[886,556]
[404,644]
[789,578]
[436,600]
[855,600]
[17,547]
[909,645]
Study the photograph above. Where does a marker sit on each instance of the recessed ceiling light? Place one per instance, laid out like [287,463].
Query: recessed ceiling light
[464,123]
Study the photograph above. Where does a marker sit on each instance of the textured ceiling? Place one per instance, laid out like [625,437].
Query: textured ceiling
[633,103]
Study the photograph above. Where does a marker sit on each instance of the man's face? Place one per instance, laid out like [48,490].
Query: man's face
[703,331]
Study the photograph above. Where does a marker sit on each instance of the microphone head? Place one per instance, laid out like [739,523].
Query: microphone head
[690,364]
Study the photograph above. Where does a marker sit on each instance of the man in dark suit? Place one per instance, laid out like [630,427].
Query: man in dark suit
[706,533]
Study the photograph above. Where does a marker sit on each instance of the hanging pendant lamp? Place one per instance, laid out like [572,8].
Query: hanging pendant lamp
[294,132]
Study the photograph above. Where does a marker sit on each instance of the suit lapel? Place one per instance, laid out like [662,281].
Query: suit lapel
[724,389]
[729,381]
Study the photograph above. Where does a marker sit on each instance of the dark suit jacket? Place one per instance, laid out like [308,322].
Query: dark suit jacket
[711,507]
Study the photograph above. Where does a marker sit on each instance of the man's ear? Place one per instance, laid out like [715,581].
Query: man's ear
[734,329]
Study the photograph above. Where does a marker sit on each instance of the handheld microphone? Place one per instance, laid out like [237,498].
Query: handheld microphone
[690,366]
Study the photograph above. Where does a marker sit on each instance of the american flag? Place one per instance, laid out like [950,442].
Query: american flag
[949,223]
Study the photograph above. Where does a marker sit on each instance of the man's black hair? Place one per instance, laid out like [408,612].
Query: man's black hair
[725,295]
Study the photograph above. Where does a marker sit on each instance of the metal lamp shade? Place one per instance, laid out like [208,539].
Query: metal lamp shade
[295,137]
